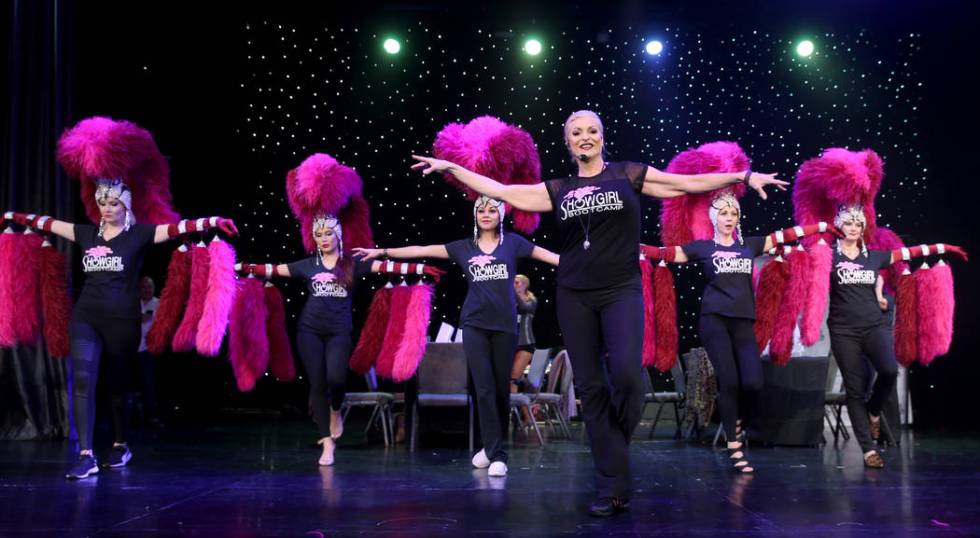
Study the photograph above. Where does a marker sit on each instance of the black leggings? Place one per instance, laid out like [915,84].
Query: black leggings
[730,344]
[92,339]
[490,356]
[610,388]
[325,358]
[878,345]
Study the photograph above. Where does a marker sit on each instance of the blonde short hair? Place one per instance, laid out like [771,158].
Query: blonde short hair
[583,114]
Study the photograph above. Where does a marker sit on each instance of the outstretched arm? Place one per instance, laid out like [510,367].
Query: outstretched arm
[545,255]
[524,197]
[264,270]
[667,254]
[43,223]
[789,235]
[660,184]
[403,253]
[906,254]
[166,232]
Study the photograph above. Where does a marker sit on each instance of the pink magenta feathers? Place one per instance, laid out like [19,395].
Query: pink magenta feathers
[101,147]
[817,293]
[781,344]
[8,283]
[934,288]
[665,308]
[248,345]
[26,294]
[219,299]
[769,296]
[55,301]
[412,345]
[321,185]
[906,321]
[186,336]
[685,218]
[280,352]
[837,177]
[649,315]
[373,333]
[173,300]
[490,147]
[400,297]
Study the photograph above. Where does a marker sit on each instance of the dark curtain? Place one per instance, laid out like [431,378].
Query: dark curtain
[36,46]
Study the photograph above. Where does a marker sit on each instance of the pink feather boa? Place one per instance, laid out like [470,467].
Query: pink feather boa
[794,297]
[665,307]
[55,301]
[27,292]
[934,287]
[219,299]
[9,268]
[400,297]
[186,336]
[373,333]
[769,296]
[173,300]
[281,361]
[817,293]
[412,345]
[906,321]
[248,344]
[649,315]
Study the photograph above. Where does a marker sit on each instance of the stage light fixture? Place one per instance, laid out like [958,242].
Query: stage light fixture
[532,47]
[654,47]
[392,46]
[805,48]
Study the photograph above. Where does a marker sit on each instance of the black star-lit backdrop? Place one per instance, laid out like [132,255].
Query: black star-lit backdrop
[314,87]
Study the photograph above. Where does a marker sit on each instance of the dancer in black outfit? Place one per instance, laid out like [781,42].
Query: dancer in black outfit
[105,322]
[599,297]
[488,318]
[728,313]
[527,305]
[323,334]
[857,327]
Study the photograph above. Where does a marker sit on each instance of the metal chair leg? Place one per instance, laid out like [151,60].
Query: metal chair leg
[413,443]
[656,419]
[677,420]
[384,424]
[534,423]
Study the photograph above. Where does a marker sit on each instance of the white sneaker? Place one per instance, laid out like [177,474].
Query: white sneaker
[481,461]
[497,468]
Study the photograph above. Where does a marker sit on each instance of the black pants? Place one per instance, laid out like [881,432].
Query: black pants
[610,387]
[878,345]
[730,344]
[490,356]
[92,340]
[325,358]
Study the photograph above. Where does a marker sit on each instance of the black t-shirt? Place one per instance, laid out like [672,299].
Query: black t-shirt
[729,272]
[490,302]
[328,303]
[853,303]
[608,207]
[112,270]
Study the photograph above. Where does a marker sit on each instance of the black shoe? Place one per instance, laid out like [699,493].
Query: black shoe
[119,456]
[608,506]
[84,467]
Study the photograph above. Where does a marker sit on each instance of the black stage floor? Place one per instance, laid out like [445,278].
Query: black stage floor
[258,477]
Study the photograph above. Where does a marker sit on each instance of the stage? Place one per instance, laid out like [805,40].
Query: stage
[257,476]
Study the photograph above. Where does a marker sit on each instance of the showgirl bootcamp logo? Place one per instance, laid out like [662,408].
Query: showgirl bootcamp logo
[726,261]
[586,200]
[98,259]
[482,269]
[854,273]
[325,285]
